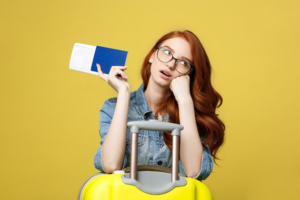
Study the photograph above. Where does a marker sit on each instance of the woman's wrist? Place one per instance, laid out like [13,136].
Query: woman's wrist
[124,93]
[185,101]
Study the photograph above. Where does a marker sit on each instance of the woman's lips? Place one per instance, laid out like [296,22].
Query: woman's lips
[165,74]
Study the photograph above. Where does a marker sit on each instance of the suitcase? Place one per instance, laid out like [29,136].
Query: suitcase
[146,182]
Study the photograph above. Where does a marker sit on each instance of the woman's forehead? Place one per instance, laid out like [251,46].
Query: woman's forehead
[179,47]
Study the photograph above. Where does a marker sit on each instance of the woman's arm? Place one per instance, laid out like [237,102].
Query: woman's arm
[113,149]
[191,149]
[114,145]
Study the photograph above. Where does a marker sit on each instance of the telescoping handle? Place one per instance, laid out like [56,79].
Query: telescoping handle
[154,125]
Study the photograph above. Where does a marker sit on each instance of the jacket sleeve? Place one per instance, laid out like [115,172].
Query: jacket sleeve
[206,167]
[106,114]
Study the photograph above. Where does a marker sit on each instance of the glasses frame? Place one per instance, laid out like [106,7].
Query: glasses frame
[176,60]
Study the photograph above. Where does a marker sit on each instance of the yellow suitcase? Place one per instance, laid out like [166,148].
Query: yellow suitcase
[146,184]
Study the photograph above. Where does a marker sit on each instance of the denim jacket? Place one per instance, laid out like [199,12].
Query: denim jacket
[152,149]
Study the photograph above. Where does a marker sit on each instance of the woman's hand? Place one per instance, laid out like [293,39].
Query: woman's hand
[113,150]
[116,78]
[180,87]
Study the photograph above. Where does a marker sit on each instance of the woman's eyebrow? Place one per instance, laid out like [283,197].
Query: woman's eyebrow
[182,57]
[187,59]
[170,49]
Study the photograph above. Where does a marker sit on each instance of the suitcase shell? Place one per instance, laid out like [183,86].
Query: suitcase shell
[111,186]
[146,184]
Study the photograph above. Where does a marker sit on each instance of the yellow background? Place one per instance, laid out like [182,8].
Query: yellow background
[49,113]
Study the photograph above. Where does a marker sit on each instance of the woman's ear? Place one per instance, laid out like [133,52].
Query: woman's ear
[151,57]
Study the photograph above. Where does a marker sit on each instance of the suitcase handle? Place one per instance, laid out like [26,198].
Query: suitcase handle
[154,125]
[152,168]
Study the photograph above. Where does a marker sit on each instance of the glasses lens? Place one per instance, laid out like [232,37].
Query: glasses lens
[164,55]
[183,66]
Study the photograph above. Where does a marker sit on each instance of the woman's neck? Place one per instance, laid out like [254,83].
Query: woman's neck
[155,94]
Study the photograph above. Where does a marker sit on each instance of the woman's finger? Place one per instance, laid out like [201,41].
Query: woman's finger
[118,67]
[103,76]
[118,72]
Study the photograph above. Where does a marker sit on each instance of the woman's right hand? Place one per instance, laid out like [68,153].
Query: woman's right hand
[116,78]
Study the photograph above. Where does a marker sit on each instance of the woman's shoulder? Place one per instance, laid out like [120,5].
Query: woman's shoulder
[112,101]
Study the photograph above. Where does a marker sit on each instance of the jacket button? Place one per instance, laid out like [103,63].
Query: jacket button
[159,162]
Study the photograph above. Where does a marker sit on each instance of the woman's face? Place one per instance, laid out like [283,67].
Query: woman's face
[163,73]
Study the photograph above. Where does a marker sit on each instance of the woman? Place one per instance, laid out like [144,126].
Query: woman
[176,88]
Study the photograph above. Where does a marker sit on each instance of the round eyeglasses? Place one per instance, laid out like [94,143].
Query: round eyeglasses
[165,55]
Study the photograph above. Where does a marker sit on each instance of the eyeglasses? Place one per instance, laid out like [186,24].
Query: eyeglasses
[165,55]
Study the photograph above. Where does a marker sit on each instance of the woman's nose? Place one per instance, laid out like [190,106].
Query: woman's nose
[171,64]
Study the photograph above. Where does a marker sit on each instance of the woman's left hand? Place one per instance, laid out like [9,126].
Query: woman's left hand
[180,87]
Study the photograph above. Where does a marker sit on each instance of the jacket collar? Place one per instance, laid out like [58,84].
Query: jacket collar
[141,103]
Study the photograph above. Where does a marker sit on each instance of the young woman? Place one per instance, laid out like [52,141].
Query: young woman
[176,88]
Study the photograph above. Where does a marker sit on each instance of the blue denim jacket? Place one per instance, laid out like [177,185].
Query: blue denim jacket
[152,149]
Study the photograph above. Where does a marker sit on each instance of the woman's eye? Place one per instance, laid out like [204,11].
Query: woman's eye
[184,63]
[166,51]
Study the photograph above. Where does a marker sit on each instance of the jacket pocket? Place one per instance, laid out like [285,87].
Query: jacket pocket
[142,138]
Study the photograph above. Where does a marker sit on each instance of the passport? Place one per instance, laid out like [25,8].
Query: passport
[85,57]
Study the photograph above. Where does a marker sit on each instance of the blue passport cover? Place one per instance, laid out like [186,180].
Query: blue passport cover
[107,58]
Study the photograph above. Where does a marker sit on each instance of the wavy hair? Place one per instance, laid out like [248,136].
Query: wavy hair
[205,98]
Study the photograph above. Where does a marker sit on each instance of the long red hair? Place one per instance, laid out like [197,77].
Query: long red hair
[206,99]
